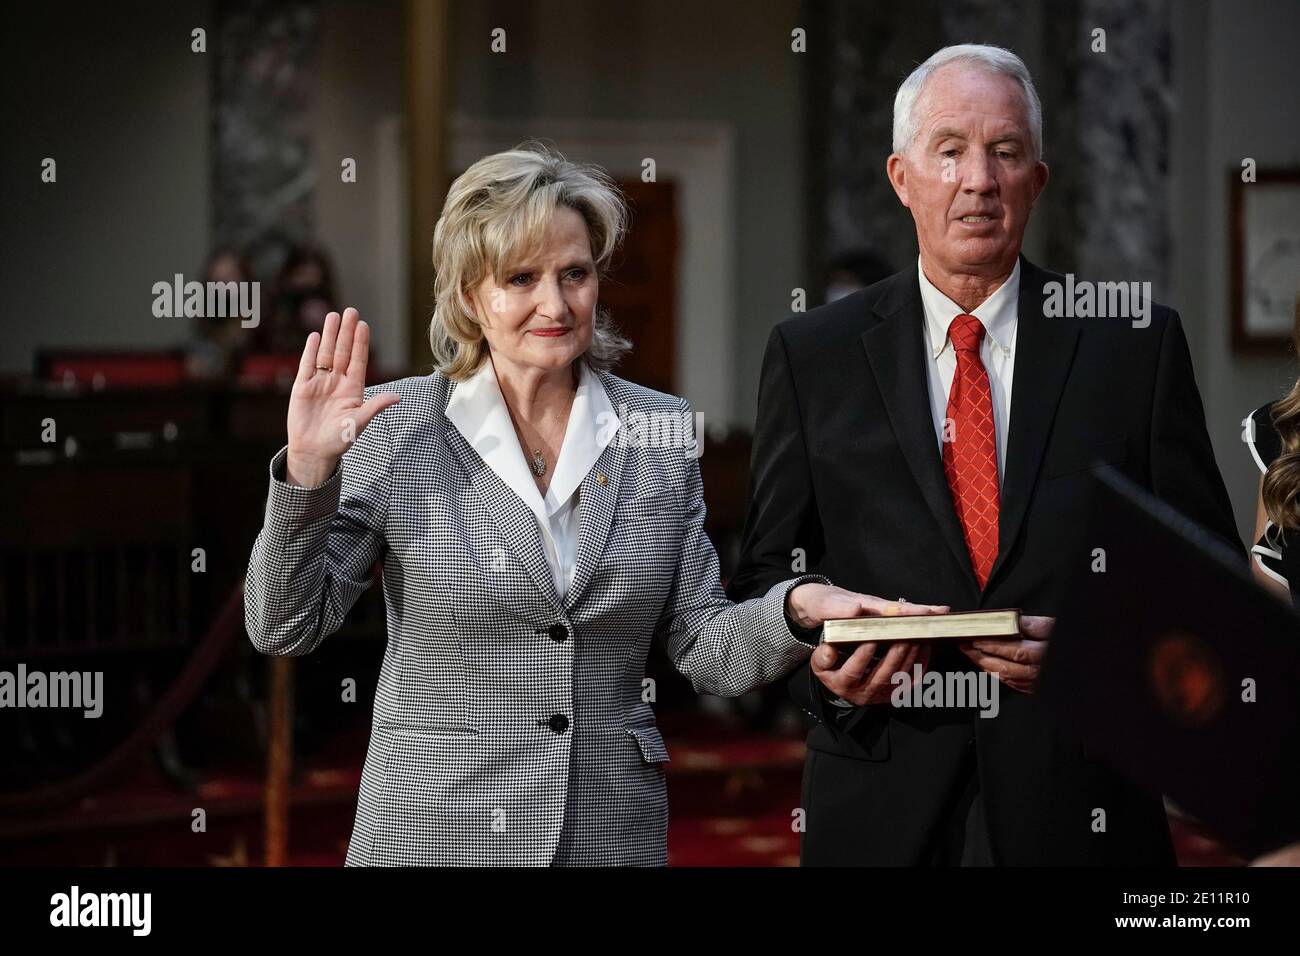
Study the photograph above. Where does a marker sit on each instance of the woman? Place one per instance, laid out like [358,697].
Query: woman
[532,546]
[1273,435]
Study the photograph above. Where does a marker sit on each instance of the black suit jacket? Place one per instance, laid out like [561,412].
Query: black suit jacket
[846,466]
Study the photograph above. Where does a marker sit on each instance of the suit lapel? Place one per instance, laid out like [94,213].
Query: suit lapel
[517,522]
[895,349]
[1045,349]
[598,501]
[598,497]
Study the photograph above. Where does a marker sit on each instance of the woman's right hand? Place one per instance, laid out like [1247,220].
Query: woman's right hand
[327,410]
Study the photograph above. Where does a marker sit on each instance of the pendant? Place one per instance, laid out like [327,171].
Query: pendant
[538,463]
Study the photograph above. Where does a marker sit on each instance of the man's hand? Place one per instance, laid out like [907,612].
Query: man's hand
[1016,662]
[853,677]
[857,680]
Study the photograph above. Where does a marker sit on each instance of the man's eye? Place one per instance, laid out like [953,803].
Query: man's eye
[951,151]
[1005,154]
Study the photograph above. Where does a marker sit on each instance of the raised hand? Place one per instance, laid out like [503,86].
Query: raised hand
[327,407]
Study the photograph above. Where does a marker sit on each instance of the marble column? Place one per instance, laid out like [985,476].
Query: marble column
[1125,102]
[262,174]
[874,47]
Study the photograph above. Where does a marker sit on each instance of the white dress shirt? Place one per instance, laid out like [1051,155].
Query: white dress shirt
[479,412]
[998,315]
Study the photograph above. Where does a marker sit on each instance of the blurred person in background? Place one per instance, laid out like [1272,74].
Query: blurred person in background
[304,296]
[853,271]
[213,352]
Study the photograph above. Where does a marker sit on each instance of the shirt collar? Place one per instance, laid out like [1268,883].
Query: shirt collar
[997,313]
[585,438]
[479,412]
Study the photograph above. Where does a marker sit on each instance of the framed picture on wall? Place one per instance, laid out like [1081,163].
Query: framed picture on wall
[1264,245]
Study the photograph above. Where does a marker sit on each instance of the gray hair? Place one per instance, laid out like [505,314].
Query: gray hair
[996,60]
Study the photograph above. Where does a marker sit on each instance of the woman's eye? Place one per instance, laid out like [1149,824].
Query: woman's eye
[522,279]
[577,275]
[948,152]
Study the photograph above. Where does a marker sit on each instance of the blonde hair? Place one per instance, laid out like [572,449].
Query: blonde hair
[496,214]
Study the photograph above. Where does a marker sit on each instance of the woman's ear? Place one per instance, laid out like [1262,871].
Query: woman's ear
[474,305]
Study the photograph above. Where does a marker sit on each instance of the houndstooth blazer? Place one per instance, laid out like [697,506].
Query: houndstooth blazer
[510,726]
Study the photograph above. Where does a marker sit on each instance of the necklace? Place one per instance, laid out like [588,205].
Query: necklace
[537,464]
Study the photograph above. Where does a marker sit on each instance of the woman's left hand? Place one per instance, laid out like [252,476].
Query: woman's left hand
[810,605]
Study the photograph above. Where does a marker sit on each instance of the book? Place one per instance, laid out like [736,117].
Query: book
[963,625]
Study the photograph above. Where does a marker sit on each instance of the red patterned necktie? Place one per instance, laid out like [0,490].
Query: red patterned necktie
[970,460]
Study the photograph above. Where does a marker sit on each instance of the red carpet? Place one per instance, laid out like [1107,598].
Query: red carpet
[731,801]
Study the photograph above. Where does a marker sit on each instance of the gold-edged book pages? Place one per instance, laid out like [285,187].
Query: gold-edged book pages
[962,626]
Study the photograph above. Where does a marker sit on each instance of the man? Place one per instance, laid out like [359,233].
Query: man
[931,437]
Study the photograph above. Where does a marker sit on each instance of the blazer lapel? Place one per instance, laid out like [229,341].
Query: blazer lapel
[516,520]
[598,498]
[895,348]
[1045,349]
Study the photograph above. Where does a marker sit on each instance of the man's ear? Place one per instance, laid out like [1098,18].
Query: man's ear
[896,171]
[1041,175]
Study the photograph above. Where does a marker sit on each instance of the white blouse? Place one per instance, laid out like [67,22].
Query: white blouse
[479,412]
